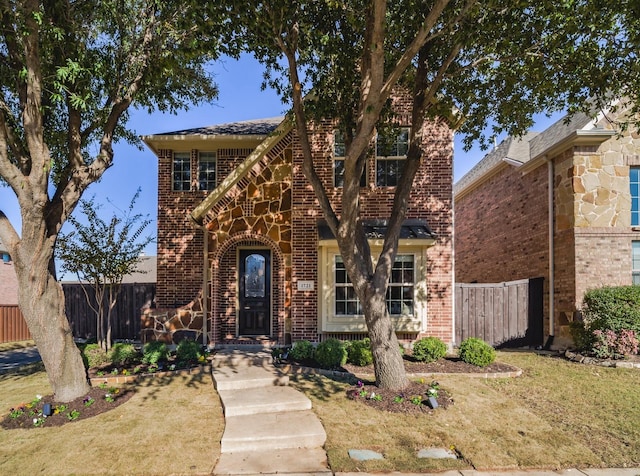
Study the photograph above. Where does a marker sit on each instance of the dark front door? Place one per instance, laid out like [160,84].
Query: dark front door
[255,292]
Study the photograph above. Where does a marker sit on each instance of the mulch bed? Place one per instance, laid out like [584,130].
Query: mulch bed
[405,401]
[448,365]
[92,404]
[411,400]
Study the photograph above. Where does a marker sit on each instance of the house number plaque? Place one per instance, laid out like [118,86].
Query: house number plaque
[305,285]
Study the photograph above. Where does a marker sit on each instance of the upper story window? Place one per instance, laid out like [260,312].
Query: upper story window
[181,171]
[391,152]
[634,180]
[339,152]
[207,170]
[400,291]
[635,261]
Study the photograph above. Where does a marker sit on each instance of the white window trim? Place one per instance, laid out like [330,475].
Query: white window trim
[634,244]
[389,157]
[341,158]
[330,322]
[213,157]
[181,156]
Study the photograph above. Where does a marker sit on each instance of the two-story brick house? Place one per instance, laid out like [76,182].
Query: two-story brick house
[563,205]
[239,227]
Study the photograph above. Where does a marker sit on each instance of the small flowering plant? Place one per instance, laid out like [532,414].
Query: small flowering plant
[42,412]
[419,397]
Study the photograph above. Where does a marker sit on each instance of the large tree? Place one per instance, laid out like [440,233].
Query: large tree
[69,72]
[492,60]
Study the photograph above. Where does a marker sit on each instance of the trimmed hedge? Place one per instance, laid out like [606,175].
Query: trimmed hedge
[359,352]
[429,349]
[154,352]
[331,353]
[302,350]
[477,352]
[188,351]
[612,308]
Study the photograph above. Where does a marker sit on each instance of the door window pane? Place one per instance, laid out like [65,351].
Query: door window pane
[254,276]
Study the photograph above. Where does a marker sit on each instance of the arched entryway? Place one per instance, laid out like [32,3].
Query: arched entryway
[247,290]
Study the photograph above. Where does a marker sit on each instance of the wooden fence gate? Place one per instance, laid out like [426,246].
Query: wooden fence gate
[506,314]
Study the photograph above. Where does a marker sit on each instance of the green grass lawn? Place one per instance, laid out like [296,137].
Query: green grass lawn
[558,414]
[172,425]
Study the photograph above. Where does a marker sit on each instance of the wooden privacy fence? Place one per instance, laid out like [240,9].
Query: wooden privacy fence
[125,317]
[506,314]
[12,325]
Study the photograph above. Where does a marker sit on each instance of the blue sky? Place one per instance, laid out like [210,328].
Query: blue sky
[240,98]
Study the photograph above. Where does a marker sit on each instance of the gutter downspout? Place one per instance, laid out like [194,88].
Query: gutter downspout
[550,211]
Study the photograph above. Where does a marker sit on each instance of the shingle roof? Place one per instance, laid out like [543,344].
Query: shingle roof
[557,132]
[513,148]
[252,127]
[533,145]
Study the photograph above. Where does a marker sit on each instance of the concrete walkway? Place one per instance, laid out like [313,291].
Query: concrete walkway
[269,426]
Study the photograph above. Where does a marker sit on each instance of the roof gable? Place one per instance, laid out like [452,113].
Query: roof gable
[232,183]
[533,146]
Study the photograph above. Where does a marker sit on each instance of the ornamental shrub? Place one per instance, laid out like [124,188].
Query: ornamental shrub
[477,352]
[154,352]
[331,353]
[359,352]
[94,356]
[612,308]
[188,351]
[582,339]
[122,354]
[614,345]
[429,349]
[302,350]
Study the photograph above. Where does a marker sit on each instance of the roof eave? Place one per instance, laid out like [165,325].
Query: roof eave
[576,138]
[155,141]
[196,217]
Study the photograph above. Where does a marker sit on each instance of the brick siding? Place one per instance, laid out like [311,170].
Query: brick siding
[275,209]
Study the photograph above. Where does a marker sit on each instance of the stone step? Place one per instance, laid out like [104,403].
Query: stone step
[241,359]
[272,431]
[310,462]
[231,378]
[262,400]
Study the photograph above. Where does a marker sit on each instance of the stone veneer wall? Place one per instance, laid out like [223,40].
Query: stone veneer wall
[593,222]
[255,213]
[431,201]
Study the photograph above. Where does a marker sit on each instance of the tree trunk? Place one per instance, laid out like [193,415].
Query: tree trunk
[387,360]
[42,303]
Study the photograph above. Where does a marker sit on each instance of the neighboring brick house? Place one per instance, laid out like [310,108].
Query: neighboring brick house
[572,188]
[274,271]
[8,279]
